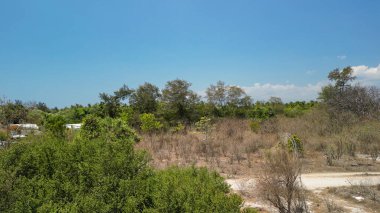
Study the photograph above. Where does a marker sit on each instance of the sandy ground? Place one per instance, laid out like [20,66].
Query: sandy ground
[315,182]
[323,180]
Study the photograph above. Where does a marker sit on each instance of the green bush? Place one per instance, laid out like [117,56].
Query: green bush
[178,128]
[254,125]
[295,144]
[55,125]
[293,112]
[108,128]
[3,135]
[194,190]
[204,125]
[91,127]
[51,175]
[149,123]
[261,112]
[118,129]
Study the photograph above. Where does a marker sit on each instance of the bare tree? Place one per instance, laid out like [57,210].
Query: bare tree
[279,182]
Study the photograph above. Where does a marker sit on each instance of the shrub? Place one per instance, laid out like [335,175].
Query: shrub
[149,123]
[295,144]
[178,128]
[293,112]
[55,125]
[204,124]
[91,127]
[278,182]
[111,129]
[261,112]
[254,125]
[116,129]
[194,190]
[50,175]
[3,135]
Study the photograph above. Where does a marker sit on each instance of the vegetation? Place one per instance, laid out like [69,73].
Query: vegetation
[45,174]
[149,123]
[278,183]
[104,166]
[295,144]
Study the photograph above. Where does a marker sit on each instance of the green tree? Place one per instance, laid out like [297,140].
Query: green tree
[110,104]
[145,98]
[13,112]
[342,98]
[217,94]
[236,96]
[179,101]
[75,113]
[341,77]
[42,106]
[35,116]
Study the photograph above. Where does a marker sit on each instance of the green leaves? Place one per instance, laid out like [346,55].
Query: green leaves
[194,190]
[53,175]
[55,125]
[149,123]
[111,129]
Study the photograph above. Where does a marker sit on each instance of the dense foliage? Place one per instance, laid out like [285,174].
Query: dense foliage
[174,104]
[50,175]
[194,190]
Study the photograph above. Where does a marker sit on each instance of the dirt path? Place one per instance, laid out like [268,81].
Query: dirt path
[316,182]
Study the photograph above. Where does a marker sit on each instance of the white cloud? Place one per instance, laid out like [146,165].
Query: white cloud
[367,73]
[341,57]
[287,92]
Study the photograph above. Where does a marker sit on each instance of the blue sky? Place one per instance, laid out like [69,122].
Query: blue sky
[66,52]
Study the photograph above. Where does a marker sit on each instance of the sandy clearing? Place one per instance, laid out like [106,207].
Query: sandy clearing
[314,181]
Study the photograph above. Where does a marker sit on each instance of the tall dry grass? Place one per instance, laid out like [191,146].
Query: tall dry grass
[232,148]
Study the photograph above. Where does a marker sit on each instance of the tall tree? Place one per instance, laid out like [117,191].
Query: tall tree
[111,103]
[13,112]
[216,94]
[236,96]
[179,99]
[341,77]
[145,98]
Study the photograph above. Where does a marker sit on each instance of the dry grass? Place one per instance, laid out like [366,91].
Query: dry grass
[230,148]
[233,149]
[370,195]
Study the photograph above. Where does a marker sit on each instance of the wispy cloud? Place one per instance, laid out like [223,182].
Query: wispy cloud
[310,72]
[341,57]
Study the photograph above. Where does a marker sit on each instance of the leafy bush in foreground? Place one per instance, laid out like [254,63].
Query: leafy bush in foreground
[53,175]
[194,190]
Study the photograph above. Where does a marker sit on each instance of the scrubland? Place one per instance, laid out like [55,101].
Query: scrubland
[232,148]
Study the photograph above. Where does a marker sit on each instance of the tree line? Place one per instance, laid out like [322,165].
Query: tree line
[175,104]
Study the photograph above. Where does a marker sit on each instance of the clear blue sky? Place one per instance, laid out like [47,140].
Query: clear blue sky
[66,52]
